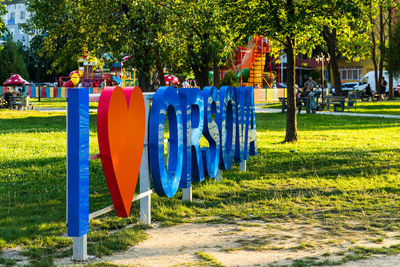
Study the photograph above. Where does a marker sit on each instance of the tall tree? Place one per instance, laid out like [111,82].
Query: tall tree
[345,33]
[292,23]
[2,26]
[394,50]
[199,35]
[392,58]
[379,35]
[390,49]
[98,27]
[40,65]
[12,61]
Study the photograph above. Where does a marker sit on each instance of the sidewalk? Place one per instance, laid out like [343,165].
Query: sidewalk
[275,110]
[46,109]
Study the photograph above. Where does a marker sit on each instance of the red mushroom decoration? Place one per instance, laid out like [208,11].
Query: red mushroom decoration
[16,80]
[171,79]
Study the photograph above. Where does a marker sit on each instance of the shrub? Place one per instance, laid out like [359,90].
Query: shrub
[230,79]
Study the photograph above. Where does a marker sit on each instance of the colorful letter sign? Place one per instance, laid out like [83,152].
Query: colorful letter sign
[210,131]
[78,162]
[166,102]
[121,127]
[250,132]
[191,100]
[226,119]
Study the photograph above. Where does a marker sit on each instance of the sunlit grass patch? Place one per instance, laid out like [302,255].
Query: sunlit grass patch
[56,103]
[387,107]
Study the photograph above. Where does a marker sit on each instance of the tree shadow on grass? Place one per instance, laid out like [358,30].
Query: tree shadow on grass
[40,124]
[33,198]
[328,164]
[312,122]
[381,107]
[353,209]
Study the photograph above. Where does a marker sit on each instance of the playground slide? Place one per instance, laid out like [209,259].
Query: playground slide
[253,62]
[75,76]
[245,70]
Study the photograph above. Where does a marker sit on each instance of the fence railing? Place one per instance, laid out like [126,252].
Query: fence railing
[269,94]
[48,91]
[260,95]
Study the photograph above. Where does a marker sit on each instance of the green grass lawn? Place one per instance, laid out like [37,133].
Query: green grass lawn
[56,103]
[379,107]
[343,175]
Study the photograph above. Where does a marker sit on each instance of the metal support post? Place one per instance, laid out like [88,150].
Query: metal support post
[218,177]
[187,194]
[78,171]
[242,166]
[144,175]
[79,250]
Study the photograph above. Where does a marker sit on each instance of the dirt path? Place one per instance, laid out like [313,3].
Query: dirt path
[246,244]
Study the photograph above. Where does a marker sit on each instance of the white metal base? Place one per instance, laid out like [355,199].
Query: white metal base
[218,177]
[242,166]
[144,176]
[79,248]
[187,194]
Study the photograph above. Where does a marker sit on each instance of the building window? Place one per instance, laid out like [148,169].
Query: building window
[22,14]
[12,16]
[351,73]
[23,39]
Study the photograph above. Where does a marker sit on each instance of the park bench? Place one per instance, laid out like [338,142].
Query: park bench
[21,102]
[337,102]
[309,101]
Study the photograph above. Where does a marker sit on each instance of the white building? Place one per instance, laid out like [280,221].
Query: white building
[16,15]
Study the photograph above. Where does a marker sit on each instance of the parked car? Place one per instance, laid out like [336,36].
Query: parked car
[43,84]
[283,85]
[349,86]
[369,78]
[346,87]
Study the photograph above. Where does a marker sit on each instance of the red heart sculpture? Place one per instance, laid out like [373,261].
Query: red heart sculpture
[121,131]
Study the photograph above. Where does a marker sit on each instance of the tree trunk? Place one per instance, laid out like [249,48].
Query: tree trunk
[144,80]
[330,39]
[160,69]
[199,67]
[291,118]
[382,43]
[373,53]
[217,76]
[337,81]
[202,77]
[390,62]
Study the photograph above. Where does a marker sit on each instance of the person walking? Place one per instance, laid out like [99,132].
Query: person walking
[383,88]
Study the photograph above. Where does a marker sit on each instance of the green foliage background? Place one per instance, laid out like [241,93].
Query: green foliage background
[12,61]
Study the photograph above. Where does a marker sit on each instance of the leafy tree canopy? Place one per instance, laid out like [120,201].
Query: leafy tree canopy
[11,61]
[198,36]
[117,27]
[2,26]
[189,35]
